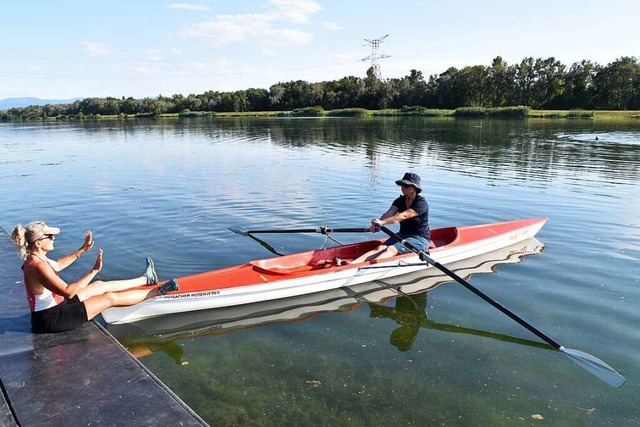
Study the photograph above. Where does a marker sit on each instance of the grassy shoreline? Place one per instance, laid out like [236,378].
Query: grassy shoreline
[353,112]
[476,113]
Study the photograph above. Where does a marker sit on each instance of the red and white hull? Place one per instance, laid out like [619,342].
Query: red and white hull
[314,271]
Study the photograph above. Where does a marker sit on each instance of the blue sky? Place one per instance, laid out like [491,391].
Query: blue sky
[68,48]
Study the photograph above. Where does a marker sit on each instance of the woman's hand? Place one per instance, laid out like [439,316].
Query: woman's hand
[375,225]
[88,241]
[98,265]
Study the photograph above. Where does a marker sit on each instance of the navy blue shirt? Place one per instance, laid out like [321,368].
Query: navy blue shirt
[418,225]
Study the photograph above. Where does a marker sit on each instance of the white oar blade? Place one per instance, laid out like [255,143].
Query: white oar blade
[596,366]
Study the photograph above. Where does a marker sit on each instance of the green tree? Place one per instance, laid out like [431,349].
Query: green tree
[372,88]
[276,94]
[500,83]
[410,90]
[548,83]
[447,94]
[617,84]
[130,106]
[524,79]
[470,86]
[579,88]
[258,99]
[349,91]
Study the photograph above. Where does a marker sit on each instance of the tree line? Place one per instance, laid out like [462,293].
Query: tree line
[541,84]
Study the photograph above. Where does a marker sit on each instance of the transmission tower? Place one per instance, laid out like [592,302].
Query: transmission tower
[375,55]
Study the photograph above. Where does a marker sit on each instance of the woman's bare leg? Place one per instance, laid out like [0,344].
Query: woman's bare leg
[97,304]
[100,287]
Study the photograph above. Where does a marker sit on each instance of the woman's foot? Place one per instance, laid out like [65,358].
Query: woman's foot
[150,273]
[170,286]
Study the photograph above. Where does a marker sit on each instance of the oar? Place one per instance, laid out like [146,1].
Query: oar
[265,245]
[321,230]
[591,363]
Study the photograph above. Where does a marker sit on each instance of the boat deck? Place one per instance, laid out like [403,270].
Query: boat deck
[81,377]
[296,265]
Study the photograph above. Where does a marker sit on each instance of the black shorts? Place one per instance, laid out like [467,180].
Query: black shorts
[67,315]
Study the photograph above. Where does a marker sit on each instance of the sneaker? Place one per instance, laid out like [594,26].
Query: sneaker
[340,261]
[170,286]
[150,273]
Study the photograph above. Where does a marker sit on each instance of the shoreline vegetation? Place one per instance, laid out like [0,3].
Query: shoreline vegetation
[534,88]
[518,112]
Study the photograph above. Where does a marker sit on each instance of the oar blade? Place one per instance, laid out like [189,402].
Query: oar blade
[595,366]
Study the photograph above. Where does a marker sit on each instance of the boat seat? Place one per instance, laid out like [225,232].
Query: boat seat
[284,265]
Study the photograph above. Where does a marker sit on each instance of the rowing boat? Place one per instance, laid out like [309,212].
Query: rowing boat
[156,331]
[316,271]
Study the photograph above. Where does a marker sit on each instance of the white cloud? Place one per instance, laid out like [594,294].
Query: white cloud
[270,30]
[332,26]
[95,48]
[295,10]
[189,6]
[154,56]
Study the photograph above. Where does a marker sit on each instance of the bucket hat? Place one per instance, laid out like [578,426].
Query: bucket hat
[410,178]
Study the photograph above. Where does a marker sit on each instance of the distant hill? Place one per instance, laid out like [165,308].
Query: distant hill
[7,103]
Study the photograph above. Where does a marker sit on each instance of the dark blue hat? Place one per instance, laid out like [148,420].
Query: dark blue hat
[410,178]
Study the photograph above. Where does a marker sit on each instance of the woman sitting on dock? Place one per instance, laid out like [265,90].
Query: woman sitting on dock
[57,306]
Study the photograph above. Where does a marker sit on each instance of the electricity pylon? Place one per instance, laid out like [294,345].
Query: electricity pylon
[375,55]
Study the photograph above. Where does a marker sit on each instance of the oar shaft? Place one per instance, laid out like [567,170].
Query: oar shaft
[347,230]
[425,257]
[299,230]
[322,230]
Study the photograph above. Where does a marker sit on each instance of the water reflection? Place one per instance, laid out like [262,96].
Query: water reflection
[409,293]
[410,313]
[523,150]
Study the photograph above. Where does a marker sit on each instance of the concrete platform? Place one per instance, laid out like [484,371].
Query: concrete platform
[80,377]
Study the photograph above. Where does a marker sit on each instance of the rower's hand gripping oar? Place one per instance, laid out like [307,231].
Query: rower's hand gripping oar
[321,230]
[591,363]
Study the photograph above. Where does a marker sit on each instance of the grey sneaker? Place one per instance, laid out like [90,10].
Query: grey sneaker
[170,286]
[150,273]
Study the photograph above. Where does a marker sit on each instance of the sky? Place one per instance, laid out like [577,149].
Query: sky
[63,49]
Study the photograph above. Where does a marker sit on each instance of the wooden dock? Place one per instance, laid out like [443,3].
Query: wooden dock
[80,377]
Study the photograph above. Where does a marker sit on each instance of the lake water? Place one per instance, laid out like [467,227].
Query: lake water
[171,190]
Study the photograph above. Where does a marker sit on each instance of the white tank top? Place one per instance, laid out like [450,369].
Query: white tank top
[44,300]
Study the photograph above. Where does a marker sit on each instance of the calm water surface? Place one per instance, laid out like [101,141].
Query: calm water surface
[171,189]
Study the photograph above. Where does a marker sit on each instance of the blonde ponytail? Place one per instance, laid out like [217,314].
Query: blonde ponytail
[20,241]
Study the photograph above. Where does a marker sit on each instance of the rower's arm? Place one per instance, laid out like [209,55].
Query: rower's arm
[393,210]
[398,217]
